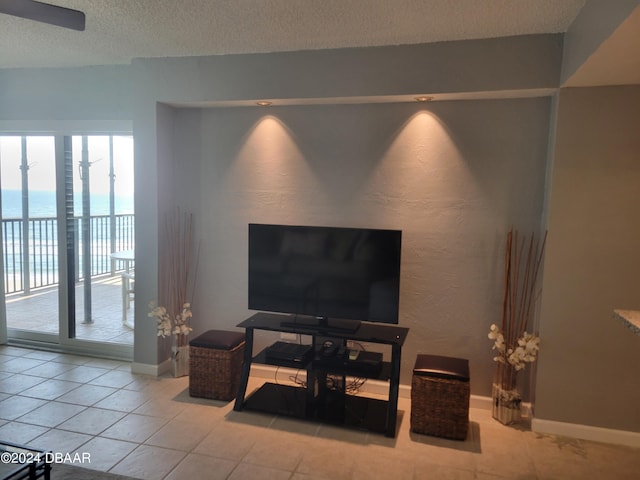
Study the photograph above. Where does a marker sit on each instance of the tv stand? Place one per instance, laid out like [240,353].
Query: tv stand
[321,324]
[315,401]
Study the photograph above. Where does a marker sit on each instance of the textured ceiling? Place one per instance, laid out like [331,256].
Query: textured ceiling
[119,30]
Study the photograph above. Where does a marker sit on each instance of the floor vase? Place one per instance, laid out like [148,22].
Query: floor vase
[180,361]
[506,405]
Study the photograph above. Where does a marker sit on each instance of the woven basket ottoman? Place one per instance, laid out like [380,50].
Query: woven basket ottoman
[440,395]
[215,361]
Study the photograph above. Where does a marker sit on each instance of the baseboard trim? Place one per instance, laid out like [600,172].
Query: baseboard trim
[586,432]
[146,369]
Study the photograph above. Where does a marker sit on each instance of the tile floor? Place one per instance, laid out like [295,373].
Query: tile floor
[148,427]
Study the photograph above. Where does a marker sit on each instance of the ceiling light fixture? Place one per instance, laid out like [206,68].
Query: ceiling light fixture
[423,98]
[264,103]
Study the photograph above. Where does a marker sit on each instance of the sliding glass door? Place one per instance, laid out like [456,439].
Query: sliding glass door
[29,233]
[75,286]
[103,224]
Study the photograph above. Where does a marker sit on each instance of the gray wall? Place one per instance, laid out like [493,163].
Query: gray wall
[592,263]
[448,67]
[453,176]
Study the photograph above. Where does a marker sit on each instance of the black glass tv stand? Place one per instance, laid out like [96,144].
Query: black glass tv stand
[321,324]
[314,401]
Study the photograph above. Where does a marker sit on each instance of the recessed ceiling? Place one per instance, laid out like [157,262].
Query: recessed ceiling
[119,30]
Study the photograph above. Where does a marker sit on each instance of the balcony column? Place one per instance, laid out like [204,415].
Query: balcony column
[112,204]
[86,230]
[24,168]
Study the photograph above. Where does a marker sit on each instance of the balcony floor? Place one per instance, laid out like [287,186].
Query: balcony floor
[38,312]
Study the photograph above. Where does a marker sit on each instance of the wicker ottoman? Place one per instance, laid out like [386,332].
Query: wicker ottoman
[215,361]
[440,396]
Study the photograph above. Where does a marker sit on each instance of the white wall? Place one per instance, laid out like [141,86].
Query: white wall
[454,176]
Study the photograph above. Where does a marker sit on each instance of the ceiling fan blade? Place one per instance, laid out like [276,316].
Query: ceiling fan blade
[44,12]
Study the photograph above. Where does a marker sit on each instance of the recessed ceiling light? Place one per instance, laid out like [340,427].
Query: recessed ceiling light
[264,103]
[423,98]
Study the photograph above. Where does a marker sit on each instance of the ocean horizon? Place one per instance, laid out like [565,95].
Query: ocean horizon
[42,204]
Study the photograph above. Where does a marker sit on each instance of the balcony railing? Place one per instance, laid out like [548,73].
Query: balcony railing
[32,262]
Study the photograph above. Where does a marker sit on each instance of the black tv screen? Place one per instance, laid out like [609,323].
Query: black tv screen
[325,272]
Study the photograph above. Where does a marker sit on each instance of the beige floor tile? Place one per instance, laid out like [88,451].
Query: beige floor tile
[91,421]
[142,382]
[134,428]
[51,414]
[246,471]
[49,369]
[178,435]
[371,463]
[20,433]
[229,441]
[86,395]
[105,452]
[81,374]
[41,355]
[17,365]
[16,406]
[277,453]
[327,462]
[50,389]
[72,359]
[61,441]
[122,400]
[160,408]
[14,351]
[113,378]
[18,383]
[148,462]
[105,363]
[194,466]
[207,413]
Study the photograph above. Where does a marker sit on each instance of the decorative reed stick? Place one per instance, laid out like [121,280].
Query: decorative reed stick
[519,297]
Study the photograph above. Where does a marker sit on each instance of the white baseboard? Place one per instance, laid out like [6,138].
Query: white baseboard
[146,369]
[586,432]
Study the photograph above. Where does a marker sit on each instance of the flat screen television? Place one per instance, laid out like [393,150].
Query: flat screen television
[333,276]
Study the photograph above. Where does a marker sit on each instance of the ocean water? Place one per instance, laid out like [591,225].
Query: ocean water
[43,242]
[42,204]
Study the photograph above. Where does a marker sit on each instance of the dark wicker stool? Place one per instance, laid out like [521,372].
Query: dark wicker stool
[440,396]
[215,361]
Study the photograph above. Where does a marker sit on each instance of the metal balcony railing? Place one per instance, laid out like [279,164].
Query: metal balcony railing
[33,262]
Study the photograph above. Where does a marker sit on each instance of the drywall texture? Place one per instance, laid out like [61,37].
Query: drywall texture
[592,263]
[453,176]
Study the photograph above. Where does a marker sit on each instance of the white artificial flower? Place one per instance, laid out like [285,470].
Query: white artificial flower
[524,351]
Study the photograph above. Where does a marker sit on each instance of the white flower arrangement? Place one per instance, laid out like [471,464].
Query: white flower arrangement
[168,326]
[525,351]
